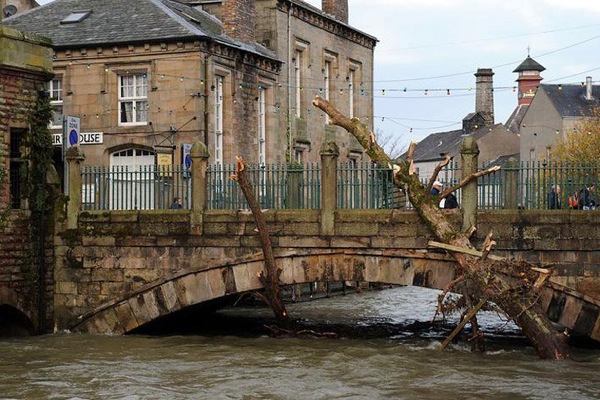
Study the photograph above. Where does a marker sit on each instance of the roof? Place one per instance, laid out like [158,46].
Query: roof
[433,146]
[503,160]
[570,101]
[514,121]
[529,65]
[118,21]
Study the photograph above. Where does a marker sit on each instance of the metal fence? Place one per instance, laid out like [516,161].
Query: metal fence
[360,186]
[145,187]
[368,186]
[279,186]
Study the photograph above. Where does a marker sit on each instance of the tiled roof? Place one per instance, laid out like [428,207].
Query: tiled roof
[449,143]
[120,21]
[570,100]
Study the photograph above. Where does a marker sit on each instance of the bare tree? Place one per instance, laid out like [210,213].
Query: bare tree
[391,143]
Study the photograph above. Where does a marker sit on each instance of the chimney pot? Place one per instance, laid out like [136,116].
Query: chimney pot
[588,88]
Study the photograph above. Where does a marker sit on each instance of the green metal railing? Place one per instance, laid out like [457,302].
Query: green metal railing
[367,185]
[145,187]
[359,186]
[277,186]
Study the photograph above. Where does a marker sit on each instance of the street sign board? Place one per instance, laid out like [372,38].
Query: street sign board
[71,129]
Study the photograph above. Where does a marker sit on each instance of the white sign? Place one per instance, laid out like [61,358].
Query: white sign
[71,131]
[84,138]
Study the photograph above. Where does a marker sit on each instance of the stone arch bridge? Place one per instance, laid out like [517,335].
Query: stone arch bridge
[118,270]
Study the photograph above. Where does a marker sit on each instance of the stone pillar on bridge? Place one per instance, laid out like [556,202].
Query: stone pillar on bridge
[469,159]
[329,195]
[511,176]
[199,155]
[74,157]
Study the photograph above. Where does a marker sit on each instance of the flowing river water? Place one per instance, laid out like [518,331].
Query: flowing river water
[405,363]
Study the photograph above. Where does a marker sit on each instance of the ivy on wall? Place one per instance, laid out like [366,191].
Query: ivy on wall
[39,145]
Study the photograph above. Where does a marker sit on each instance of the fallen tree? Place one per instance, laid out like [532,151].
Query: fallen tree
[269,277]
[507,283]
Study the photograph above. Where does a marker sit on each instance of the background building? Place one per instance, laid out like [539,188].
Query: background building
[148,79]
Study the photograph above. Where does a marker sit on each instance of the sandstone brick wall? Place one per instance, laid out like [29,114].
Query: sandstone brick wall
[114,253]
[25,65]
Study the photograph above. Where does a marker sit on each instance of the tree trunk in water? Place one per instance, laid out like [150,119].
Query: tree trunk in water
[270,277]
[508,284]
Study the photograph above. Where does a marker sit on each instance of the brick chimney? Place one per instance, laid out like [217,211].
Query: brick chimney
[337,8]
[484,94]
[239,20]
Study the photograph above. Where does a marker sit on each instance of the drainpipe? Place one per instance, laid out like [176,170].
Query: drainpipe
[206,94]
[289,77]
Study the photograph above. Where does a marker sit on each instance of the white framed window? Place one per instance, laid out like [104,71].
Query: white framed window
[300,152]
[218,93]
[133,99]
[262,126]
[299,155]
[351,94]
[298,55]
[326,84]
[56,102]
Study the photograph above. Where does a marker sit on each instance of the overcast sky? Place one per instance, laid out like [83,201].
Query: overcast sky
[432,46]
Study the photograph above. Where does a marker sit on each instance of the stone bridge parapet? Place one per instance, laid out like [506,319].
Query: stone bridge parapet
[119,270]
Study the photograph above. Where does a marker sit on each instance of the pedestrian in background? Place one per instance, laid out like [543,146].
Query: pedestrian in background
[554,202]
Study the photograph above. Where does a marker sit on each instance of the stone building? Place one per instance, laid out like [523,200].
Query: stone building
[555,111]
[493,139]
[13,7]
[25,299]
[149,79]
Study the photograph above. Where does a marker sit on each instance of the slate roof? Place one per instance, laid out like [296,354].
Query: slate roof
[514,121]
[529,64]
[503,160]
[570,101]
[449,142]
[125,22]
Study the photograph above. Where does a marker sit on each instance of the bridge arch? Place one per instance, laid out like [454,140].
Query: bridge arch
[13,321]
[195,287]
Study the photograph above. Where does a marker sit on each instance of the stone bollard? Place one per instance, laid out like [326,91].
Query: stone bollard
[329,195]
[469,158]
[199,155]
[511,176]
[74,157]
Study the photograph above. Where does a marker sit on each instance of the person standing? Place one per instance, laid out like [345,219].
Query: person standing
[587,199]
[176,204]
[451,201]
[436,188]
[554,202]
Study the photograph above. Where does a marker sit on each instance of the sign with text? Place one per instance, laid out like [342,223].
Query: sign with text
[72,127]
[84,138]
[186,148]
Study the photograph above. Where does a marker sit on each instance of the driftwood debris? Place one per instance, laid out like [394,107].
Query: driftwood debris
[469,316]
[506,283]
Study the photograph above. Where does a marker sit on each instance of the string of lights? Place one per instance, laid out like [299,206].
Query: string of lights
[314,85]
